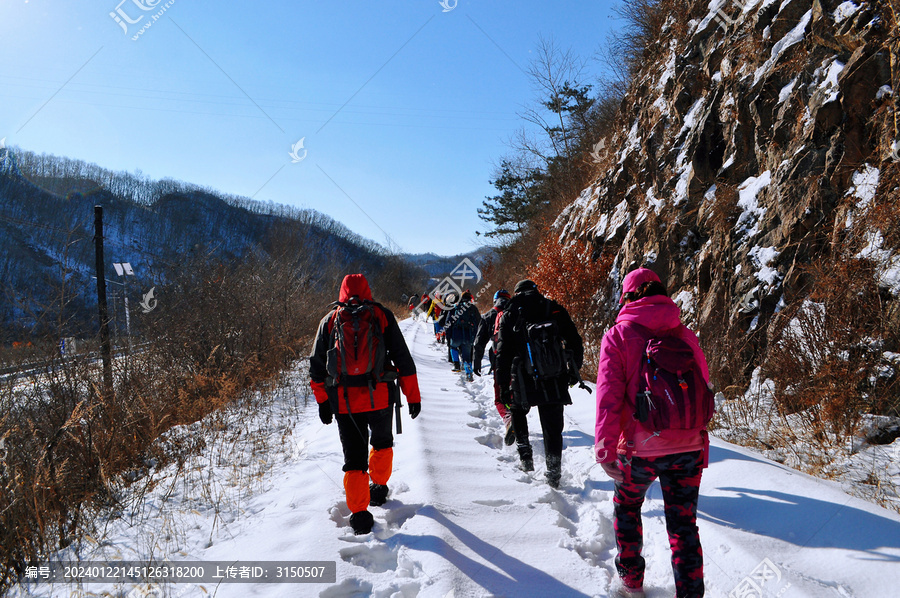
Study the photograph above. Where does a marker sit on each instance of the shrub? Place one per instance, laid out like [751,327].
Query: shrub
[569,275]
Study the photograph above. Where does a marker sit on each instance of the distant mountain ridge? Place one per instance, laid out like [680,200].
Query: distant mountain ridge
[440,265]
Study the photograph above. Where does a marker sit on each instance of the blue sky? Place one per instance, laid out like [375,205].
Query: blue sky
[404,108]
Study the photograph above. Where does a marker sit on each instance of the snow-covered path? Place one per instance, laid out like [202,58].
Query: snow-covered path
[486,528]
[474,525]
[462,520]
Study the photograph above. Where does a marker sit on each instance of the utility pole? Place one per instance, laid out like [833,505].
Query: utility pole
[125,270]
[105,349]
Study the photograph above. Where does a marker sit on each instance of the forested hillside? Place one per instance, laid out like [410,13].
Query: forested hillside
[46,229]
[238,290]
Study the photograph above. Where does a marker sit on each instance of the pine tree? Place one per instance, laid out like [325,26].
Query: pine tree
[520,199]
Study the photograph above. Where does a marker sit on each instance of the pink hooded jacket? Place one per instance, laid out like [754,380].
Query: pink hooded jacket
[617,382]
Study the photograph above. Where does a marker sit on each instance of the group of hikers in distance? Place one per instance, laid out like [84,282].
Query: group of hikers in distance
[653,399]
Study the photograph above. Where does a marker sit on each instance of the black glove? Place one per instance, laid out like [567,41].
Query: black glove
[415,409]
[325,412]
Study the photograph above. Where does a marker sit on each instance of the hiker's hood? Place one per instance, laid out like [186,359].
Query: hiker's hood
[658,313]
[355,285]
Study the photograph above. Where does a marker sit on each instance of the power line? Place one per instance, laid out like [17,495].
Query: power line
[292,119]
[327,106]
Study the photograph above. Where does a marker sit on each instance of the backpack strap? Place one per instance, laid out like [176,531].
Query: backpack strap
[629,431]
[548,306]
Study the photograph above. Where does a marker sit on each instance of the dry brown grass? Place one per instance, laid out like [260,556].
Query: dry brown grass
[220,332]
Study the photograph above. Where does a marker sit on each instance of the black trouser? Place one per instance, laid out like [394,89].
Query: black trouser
[354,431]
[551,415]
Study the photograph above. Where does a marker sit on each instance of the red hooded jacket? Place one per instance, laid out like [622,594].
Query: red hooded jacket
[397,357]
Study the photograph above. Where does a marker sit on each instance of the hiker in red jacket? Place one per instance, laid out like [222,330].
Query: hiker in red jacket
[488,330]
[358,358]
[634,456]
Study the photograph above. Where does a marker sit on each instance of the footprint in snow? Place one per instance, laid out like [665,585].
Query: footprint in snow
[493,503]
[374,558]
[340,514]
[491,440]
[559,504]
[399,514]
[402,590]
[349,588]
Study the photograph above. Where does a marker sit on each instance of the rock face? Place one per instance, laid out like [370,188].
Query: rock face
[754,136]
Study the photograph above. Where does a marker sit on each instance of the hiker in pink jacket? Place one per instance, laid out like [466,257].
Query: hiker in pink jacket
[633,456]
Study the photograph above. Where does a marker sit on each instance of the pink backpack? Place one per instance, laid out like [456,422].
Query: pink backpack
[672,394]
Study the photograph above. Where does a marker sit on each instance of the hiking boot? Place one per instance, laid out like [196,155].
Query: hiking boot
[626,592]
[377,494]
[510,436]
[552,478]
[554,471]
[456,367]
[362,522]
[630,579]
[526,460]
[470,377]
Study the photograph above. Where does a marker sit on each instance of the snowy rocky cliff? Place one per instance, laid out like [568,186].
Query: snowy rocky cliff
[756,142]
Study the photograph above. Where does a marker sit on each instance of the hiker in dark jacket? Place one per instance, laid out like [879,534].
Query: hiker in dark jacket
[487,331]
[449,302]
[362,402]
[461,326]
[518,383]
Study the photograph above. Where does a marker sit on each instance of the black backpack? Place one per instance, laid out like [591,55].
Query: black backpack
[546,353]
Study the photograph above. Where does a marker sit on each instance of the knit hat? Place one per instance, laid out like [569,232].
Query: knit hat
[634,280]
[525,285]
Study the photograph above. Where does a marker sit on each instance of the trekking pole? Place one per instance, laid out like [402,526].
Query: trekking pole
[397,405]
